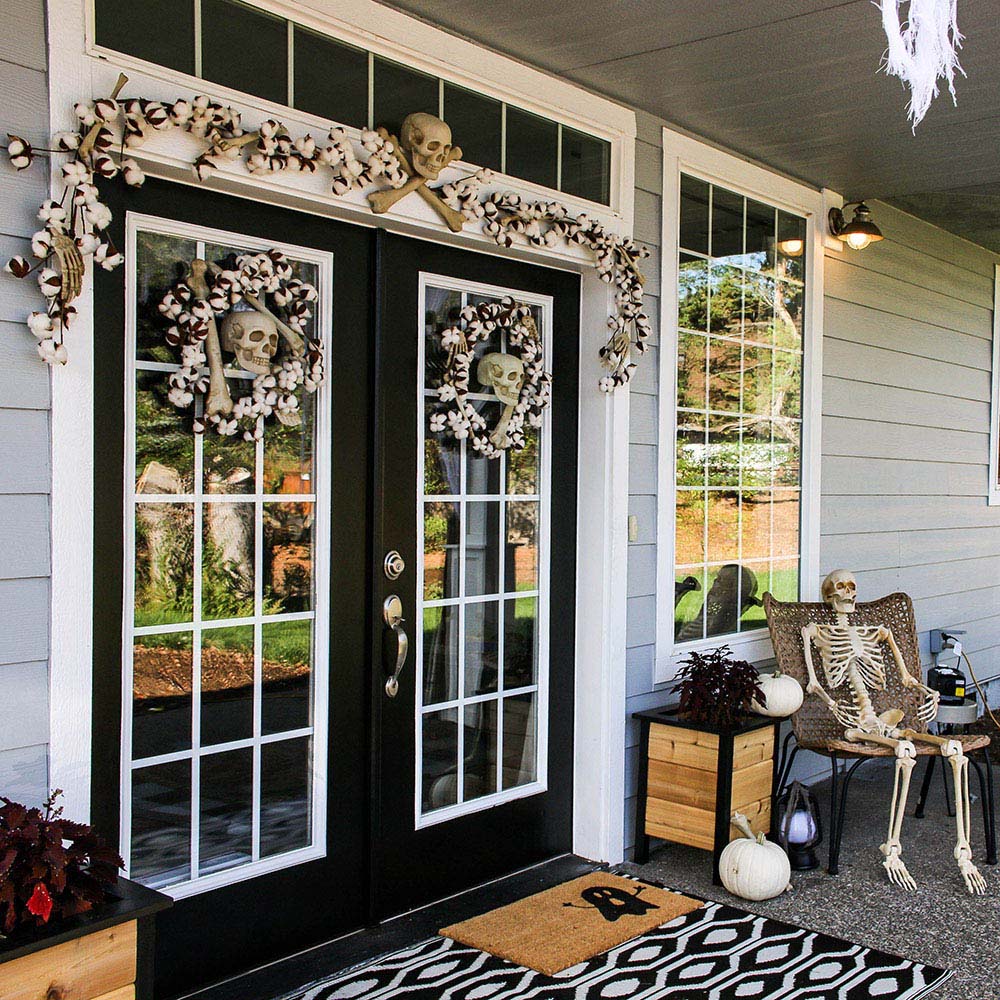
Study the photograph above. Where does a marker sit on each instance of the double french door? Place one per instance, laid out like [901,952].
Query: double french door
[246,749]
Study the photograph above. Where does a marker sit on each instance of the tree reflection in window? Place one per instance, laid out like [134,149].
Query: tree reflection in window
[740,318]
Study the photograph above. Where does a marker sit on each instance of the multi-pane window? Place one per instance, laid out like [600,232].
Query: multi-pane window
[740,314]
[223,756]
[245,48]
[482,595]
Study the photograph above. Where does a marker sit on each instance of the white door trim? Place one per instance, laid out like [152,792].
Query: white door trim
[599,640]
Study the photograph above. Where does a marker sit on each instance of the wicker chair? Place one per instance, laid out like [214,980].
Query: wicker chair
[814,727]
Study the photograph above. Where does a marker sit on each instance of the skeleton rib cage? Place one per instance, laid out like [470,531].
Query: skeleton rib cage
[815,727]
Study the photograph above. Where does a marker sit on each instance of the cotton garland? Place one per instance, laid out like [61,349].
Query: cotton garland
[189,317]
[110,126]
[513,321]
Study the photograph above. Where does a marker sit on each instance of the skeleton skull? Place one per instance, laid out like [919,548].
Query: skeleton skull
[840,591]
[252,337]
[505,374]
[427,140]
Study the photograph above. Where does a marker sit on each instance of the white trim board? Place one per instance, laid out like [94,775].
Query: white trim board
[993,487]
[683,153]
[75,74]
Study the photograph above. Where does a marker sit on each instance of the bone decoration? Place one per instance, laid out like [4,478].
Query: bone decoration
[852,664]
[423,149]
[504,374]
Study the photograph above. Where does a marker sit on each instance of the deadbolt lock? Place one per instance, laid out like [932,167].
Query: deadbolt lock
[393,565]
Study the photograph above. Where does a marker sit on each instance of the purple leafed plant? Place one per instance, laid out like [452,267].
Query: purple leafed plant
[49,866]
[716,689]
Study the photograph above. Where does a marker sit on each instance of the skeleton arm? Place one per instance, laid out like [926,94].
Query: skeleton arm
[928,709]
[814,686]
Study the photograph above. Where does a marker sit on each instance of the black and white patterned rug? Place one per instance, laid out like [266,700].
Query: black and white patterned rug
[716,953]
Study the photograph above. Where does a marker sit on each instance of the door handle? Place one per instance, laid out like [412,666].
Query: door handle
[392,613]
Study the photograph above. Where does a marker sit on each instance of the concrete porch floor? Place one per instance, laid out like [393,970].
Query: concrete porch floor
[940,923]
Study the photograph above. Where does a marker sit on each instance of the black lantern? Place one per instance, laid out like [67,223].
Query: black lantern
[800,828]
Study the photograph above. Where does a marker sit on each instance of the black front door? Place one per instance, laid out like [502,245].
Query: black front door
[474,754]
[245,748]
[231,729]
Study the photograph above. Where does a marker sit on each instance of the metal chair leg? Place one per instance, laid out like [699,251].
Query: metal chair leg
[989,805]
[925,786]
[832,866]
[984,795]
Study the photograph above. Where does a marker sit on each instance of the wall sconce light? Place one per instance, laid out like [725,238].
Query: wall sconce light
[860,231]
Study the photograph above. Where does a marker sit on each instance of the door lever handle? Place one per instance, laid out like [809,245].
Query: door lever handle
[392,613]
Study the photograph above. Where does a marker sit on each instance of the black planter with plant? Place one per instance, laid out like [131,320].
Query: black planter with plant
[706,757]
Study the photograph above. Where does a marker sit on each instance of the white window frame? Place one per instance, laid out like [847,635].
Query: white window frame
[320,498]
[544,496]
[993,487]
[684,154]
[396,37]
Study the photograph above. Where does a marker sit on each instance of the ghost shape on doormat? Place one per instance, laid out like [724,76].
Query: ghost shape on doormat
[612,902]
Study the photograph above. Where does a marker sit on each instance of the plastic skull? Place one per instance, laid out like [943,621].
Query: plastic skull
[427,140]
[252,337]
[840,591]
[504,373]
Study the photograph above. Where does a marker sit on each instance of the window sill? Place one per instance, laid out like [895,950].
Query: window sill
[753,646]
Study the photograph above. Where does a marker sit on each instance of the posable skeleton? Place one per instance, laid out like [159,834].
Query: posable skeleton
[853,667]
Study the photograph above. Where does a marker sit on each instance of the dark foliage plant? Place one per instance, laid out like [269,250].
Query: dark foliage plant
[50,867]
[716,689]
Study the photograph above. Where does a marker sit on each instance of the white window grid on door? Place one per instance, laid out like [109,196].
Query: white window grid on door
[319,615]
[426,393]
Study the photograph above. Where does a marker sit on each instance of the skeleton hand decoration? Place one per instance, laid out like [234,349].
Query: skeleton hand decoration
[852,657]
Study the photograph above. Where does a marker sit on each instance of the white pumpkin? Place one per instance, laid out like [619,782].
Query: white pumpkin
[782,695]
[751,867]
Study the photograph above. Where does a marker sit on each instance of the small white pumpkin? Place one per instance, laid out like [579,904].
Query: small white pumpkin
[782,695]
[751,867]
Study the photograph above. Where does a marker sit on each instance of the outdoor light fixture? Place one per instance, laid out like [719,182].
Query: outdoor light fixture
[860,231]
[792,248]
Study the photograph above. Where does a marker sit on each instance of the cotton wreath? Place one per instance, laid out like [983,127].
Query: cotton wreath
[190,318]
[74,231]
[455,414]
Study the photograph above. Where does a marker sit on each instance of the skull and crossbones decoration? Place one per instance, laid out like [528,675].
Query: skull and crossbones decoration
[515,376]
[423,149]
[220,310]
[852,668]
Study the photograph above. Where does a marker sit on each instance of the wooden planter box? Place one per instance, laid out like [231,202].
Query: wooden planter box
[692,778]
[102,955]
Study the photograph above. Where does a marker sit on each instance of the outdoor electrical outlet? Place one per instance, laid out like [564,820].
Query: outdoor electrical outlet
[940,640]
[633,528]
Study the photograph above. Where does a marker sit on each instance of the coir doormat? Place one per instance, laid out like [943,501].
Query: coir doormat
[561,927]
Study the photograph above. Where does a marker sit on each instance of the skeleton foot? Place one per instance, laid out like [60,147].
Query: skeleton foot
[898,874]
[974,880]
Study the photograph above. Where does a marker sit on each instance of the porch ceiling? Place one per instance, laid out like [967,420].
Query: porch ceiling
[791,83]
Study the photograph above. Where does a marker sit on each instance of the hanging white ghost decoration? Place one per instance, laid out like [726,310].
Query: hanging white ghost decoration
[923,47]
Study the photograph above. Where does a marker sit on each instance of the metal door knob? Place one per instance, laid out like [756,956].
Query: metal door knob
[392,613]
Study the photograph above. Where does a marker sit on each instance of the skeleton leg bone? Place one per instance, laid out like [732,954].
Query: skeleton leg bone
[906,758]
[955,756]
